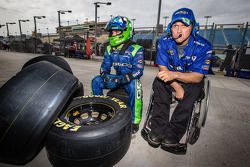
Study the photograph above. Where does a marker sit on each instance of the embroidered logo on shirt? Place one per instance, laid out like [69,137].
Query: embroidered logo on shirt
[140,61]
[207,62]
[209,52]
[122,64]
[179,68]
[193,58]
[198,43]
[205,67]
[170,52]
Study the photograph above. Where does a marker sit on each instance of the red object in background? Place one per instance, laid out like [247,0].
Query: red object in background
[88,48]
[75,45]
[155,65]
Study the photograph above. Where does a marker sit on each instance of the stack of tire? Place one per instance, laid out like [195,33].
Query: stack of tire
[43,105]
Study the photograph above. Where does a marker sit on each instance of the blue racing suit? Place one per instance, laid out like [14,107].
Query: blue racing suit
[132,63]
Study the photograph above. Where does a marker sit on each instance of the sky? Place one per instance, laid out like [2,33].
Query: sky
[144,11]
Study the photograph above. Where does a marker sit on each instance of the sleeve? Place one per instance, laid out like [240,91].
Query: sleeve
[106,64]
[138,64]
[162,58]
[203,60]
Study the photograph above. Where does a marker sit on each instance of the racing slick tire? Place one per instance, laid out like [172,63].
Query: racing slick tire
[93,131]
[119,94]
[52,59]
[79,91]
[29,104]
[59,62]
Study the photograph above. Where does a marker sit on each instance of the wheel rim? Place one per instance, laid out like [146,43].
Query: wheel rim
[207,103]
[195,136]
[90,114]
[192,126]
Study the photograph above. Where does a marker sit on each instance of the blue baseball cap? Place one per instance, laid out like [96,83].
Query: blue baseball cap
[184,15]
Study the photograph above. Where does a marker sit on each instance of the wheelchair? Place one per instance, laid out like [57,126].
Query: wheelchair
[196,122]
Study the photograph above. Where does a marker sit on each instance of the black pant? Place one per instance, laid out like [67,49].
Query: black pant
[160,124]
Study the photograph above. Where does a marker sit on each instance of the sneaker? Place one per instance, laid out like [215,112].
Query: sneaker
[154,140]
[135,128]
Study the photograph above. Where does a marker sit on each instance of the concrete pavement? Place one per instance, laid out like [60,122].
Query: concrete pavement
[223,142]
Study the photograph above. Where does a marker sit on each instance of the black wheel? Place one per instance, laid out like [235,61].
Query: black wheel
[194,135]
[29,104]
[52,59]
[204,104]
[147,124]
[79,91]
[59,62]
[120,94]
[94,131]
[194,130]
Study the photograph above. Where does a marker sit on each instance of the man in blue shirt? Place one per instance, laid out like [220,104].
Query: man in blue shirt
[128,61]
[183,58]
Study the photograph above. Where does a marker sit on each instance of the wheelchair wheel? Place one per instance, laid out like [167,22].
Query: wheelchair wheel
[193,130]
[204,104]
[194,135]
[147,124]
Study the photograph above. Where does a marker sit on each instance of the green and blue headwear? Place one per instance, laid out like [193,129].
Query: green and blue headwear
[186,16]
[122,24]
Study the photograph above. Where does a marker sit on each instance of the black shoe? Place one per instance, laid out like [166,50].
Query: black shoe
[154,140]
[169,141]
[135,128]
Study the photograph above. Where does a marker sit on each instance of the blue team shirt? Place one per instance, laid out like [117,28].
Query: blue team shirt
[197,55]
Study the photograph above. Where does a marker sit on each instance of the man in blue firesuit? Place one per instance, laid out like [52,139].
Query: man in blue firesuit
[128,61]
[183,58]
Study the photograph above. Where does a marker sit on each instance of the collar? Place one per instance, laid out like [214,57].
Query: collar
[117,48]
[191,41]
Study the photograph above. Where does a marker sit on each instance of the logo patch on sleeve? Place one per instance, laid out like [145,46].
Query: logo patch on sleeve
[140,61]
[193,58]
[207,62]
[205,67]
[170,52]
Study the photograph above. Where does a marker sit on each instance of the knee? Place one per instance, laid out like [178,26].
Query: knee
[188,107]
[193,90]
[157,84]
[160,85]
[97,80]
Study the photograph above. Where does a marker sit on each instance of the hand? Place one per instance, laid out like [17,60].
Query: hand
[179,92]
[111,81]
[166,76]
[125,78]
